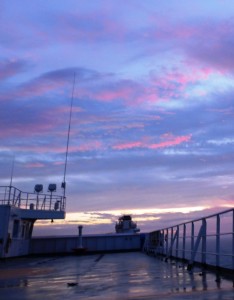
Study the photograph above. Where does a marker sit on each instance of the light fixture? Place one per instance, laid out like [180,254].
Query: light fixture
[52,187]
[38,188]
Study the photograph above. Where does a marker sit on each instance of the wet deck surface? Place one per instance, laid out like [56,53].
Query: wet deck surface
[109,276]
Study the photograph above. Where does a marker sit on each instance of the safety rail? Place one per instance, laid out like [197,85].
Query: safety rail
[10,195]
[208,240]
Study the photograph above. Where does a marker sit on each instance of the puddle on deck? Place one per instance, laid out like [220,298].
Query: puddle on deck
[110,276]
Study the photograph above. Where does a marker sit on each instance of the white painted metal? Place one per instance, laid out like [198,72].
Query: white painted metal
[194,242]
[18,213]
[93,243]
[24,200]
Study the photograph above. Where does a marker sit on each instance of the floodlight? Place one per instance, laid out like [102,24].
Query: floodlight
[38,188]
[52,187]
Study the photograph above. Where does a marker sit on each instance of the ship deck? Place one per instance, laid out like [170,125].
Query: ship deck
[108,276]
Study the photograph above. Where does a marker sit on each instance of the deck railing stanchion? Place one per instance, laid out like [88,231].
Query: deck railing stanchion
[173,238]
[177,241]
[27,202]
[233,239]
[9,195]
[198,252]
[218,240]
[164,242]
[171,244]
[204,241]
[184,239]
[192,237]
[167,236]
[13,200]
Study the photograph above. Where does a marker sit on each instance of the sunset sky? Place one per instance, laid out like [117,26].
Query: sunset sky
[152,130]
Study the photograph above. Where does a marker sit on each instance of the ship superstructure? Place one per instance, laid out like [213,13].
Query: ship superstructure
[126,225]
[19,211]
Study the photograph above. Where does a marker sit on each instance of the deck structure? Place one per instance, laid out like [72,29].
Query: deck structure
[19,211]
[208,241]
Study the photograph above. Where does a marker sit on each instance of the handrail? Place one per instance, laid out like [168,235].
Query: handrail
[192,240]
[200,219]
[10,195]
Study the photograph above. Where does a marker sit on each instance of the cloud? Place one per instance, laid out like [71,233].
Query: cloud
[147,220]
[168,141]
[127,146]
[213,45]
[93,27]
[11,67]
[56,81]
[153,103]
[35,165]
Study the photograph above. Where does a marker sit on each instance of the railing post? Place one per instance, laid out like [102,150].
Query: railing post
[162,242]
[177,241]
[204,241]
[201,236]
[37,203]
[13,202]
[167,241]
[184,239]
[233,239]
[19,196]
[9,196]
[51,201]
[192,236]
[218,240]
[173,238]
[171,245]
[173,242]
[27,202]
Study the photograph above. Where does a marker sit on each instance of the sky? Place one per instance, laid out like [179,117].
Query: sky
[152,129]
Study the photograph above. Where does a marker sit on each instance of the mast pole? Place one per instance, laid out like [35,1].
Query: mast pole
[68,138]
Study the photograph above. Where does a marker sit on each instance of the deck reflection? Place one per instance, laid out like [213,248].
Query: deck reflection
[109,276]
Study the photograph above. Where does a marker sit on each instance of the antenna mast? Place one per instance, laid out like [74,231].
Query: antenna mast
[68,138]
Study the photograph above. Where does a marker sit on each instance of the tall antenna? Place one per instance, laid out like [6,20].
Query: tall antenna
[68,138]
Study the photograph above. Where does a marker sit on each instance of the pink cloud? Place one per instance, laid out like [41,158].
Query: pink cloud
[126,146]
[66,109]
[33,89]
[34,165]
[209,43]
[38,88]
[51,148]
[172,83]
[162,85]
[128,91]
[87,146]
[58,163]
[168,140]
[123,92]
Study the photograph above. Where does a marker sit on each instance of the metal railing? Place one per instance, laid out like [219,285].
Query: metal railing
[208,240]
[10,195]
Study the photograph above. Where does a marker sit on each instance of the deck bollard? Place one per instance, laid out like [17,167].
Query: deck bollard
[80,227]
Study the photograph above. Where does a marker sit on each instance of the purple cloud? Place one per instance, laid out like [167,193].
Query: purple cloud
[10,68]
